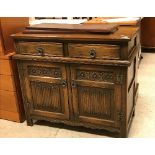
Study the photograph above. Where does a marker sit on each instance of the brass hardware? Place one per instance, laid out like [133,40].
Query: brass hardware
[92,53]
[64,83]
[40,51]
[74,84]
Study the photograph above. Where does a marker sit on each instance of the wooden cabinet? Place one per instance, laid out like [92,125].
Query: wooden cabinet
[46,89]
[11,107]
[95,96]
[148,33]
[99,51]
[91,82]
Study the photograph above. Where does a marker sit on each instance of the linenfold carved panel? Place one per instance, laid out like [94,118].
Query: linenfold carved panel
[95,102]
[46,96]
[44,71]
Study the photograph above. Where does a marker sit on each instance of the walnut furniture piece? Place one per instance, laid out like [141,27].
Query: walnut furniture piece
[82,79]
[148,34]
[11,107]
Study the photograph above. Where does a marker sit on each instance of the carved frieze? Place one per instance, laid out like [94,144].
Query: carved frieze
[44,71]
[106,76]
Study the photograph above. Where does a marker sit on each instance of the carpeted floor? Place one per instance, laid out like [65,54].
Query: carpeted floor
[143,124]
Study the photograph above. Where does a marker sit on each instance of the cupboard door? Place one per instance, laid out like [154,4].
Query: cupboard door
[46,89]
[96,97]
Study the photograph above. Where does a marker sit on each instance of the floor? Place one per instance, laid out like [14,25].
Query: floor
[143,125]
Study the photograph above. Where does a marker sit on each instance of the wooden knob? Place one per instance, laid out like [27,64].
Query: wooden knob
[64,83]
[92,53]
[40,51]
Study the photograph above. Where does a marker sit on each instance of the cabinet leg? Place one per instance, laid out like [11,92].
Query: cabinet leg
[123,135]
[124,131]
[29,122]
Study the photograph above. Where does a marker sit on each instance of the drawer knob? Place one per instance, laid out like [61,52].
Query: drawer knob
[40,51]
[64,83]
[74,84]
[92,53]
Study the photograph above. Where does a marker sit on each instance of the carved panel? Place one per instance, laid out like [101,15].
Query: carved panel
[44,71]
[95,102]
[107,76]
[46,96]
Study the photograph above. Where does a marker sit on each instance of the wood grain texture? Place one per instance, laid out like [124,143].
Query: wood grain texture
[8,101]
[5,67]
[10,25]
[7,83]
[10,93]
[47,97]
[46,89]
[148,32]
[95,102]
[1,42]
[88,92]
[49,48]
[83,28]
[102,51]
[118,36]
[9,115]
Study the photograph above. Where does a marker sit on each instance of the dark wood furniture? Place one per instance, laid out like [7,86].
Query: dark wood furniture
[148,34]
[85,80]
[131,22]
[11,107]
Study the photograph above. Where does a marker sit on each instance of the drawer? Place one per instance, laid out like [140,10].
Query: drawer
[99,51]
[40,48]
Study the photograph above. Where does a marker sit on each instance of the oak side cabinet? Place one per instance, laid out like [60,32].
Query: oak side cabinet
[85,80]
[11,107]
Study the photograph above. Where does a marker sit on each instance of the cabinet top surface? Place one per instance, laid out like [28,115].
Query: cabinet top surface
[124,33]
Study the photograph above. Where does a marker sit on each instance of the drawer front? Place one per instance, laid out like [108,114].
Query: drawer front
[40,48]
[99,51]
